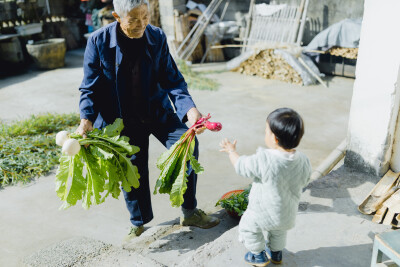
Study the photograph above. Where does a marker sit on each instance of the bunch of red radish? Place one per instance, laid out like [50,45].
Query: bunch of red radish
[173,162]
[203,122]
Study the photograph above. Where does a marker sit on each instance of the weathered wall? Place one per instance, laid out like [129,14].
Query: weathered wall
[395,160]
[323,13]
[375,103]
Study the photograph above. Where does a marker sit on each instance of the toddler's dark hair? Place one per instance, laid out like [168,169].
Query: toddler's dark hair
[287,126]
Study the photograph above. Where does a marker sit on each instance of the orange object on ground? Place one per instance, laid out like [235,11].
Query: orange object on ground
[233,214]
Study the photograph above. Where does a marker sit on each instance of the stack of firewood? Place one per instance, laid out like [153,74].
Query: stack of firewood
[268,65]
[384,201]
[350,53]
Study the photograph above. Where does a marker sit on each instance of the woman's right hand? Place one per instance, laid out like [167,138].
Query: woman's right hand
[84,127]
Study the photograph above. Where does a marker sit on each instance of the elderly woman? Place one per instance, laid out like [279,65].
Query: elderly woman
[130,74]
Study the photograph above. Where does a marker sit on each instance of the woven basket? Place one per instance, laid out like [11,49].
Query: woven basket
[233,214]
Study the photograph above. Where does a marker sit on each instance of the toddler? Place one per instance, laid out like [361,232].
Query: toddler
[279,174]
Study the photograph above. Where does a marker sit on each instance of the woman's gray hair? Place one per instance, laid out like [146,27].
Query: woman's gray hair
[122,7]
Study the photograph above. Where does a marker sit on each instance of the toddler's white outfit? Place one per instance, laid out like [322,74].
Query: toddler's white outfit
[278,180]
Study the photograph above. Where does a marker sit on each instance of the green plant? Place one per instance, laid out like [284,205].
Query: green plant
[173,163]
[27,147]
[97,167]
[196,80]
[236,203]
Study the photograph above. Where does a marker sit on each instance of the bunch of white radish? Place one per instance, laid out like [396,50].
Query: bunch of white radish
[95,166]
[70,146]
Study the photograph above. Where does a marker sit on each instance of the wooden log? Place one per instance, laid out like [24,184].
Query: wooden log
[368,206]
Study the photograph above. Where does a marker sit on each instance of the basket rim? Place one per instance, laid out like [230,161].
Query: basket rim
[230,193]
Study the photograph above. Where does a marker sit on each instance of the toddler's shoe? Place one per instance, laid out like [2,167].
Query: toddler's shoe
[259,259]
[275,256]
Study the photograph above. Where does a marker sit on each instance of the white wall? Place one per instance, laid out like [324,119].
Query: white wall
[375,102]
[395,160]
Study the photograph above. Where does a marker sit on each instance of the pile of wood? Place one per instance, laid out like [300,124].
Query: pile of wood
[350,53]
[384,201]
[270,66]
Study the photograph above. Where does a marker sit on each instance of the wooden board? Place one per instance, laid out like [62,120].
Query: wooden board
[391,214]
[393,201]
[369,205]
[379,215]
[393,205]
[396,221]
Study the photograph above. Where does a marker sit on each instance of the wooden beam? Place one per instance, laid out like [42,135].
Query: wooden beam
[316,76]
[388,181]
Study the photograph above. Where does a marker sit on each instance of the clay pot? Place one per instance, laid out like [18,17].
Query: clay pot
[49,53]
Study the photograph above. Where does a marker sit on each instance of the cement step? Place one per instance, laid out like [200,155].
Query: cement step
[167,244]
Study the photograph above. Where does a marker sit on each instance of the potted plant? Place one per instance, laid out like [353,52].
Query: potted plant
[235,202]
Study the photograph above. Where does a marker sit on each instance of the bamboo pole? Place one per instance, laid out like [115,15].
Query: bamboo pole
[197,25]
[303,21]
[213,38]
[312,72]
[297,21]
[249,20]
[330,162]
[195,40]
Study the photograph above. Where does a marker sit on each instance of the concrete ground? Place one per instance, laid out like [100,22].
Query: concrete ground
[328,227]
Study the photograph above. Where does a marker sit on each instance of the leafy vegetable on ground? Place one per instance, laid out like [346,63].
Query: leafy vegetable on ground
[27,149]
[173,163]
[236,203]
[196,80]
[92,168]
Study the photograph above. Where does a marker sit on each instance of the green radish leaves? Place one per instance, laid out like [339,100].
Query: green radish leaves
[99,169]
[173,166]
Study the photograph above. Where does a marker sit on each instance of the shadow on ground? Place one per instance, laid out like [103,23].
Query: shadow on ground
[336,186]
[73,59]
[357,255]
[187,239]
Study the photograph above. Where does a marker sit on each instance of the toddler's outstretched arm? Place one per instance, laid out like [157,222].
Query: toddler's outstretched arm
[230,148]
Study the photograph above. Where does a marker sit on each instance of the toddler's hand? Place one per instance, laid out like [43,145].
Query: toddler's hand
[227,146]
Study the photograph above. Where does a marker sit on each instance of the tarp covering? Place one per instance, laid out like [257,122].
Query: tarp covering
[345,33]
